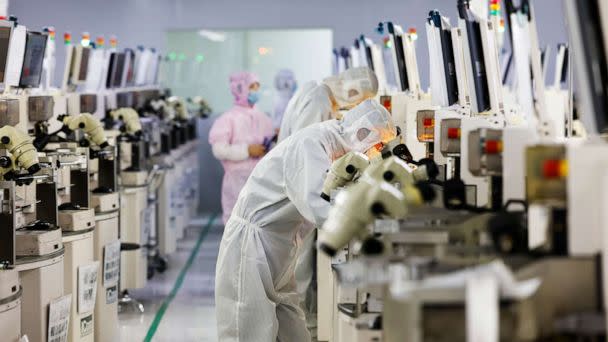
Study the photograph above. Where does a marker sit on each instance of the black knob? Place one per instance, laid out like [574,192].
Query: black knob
[5,140]
[81,125]
[327,249]
[372,246]
[389,176]
[34,169]
[427,192]
[5,162]
[377,208]
[431,167]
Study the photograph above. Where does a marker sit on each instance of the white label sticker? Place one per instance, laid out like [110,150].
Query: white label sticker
[386,226]
[112,294]
[539,220]
[148,223]
[86,325]
[59,318]
[111,263]
[87,287]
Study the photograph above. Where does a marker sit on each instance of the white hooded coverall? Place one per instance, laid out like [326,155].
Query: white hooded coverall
[314,102]
[255,292]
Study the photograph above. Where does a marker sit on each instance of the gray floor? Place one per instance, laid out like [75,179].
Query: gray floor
[191,314]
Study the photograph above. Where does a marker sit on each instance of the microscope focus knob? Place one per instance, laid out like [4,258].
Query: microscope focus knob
[377,208]
[389,176]
[81,125]
[5,162]
[5,140]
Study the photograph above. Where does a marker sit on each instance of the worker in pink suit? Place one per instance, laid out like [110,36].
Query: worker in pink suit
[238,137]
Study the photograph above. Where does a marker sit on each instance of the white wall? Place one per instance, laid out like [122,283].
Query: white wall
[305,51]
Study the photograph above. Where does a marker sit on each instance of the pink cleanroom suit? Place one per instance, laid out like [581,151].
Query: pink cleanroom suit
[233,132]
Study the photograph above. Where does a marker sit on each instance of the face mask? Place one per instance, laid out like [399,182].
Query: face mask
[253,97]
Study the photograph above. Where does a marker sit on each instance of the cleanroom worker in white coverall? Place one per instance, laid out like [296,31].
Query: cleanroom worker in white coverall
[255,290]
[286,85]
[237,137]
[316,102]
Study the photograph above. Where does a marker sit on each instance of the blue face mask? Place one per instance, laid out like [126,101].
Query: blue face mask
[253,97]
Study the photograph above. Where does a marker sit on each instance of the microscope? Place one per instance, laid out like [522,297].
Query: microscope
[371,198]
[343,171]
[17,154]
[89,124]
[203,109]
[30,196]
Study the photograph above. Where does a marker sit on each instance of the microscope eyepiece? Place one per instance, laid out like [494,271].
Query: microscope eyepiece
[431,167]
[34,169]
[327,249]
[426,191]
[325,196]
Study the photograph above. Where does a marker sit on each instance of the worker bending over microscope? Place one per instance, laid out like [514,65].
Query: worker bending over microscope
[255,292]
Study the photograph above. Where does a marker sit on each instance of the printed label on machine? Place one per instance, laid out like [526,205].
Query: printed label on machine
[386,226]
[149,221]
[87,287]
[111,263]
[59,318]
[112,294]
[86,325]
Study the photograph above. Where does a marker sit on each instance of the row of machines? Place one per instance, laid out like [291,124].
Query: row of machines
[484,220]
[98,179]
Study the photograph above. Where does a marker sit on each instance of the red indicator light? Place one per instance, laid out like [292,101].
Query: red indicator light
[493,146]
[453,133]
[554,168]
[386,102]
[428,122]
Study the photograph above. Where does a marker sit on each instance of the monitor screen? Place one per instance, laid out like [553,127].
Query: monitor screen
[397,39]
[449,66]
[120,66]
[31,71]
[593,73]
[111,70]
[478,64]
[156,70]
[564,75]
[130,64]
[84,64]
[5,36]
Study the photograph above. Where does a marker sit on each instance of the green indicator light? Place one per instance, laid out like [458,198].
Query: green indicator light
[200,58]
[182,57]
[172,56]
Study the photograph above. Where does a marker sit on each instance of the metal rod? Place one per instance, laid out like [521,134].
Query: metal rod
[33,177]
[570,127]
[71,163]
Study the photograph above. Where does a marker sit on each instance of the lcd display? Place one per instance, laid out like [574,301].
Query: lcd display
[156,70]
[130,56]
[400,56]
[84,64]
[117,64]
[111,70]
[480,81]
[120,67]
[5,36]
[31,72]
